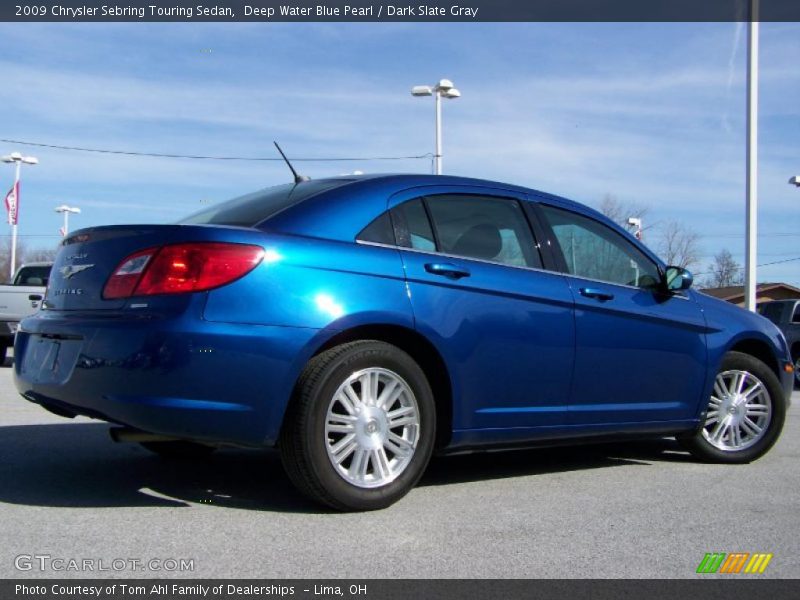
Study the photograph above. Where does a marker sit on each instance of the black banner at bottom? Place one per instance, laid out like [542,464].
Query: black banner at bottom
[716,588]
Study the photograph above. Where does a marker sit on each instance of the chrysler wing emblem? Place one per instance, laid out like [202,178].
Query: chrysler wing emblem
[69,270]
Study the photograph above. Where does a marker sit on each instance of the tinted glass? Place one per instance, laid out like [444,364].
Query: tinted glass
[483,227]
[251,209]
[595,251]
[412,228]
[772,311]
[380,231]
[33,276]
[796,315]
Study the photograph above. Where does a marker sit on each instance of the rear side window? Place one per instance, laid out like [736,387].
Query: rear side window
[796,315]
[380,231]
[483,227]
[412,227]
[252,209]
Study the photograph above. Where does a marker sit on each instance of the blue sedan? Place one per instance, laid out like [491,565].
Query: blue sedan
[360,324]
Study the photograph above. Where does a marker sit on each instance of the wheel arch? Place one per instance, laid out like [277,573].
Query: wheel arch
[758,349]
[423,352]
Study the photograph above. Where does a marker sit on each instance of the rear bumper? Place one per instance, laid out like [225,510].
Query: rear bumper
[181,377]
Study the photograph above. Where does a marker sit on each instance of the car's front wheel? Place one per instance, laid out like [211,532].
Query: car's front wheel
[360,429]
[745,413]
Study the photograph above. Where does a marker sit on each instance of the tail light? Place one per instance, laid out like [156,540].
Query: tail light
[181,268]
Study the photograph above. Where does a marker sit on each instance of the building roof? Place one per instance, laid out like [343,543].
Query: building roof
[734,291]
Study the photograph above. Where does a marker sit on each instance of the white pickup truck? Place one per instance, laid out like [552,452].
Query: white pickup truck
[19,299]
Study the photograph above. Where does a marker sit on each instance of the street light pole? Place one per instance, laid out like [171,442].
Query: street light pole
[13,266]
[13,214]
[443,89]
[752,160]
[438,145]
[66,210]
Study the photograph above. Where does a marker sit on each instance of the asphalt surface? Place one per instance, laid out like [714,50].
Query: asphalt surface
[631,510]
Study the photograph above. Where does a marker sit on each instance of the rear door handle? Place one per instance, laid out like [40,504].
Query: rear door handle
[596,294]
[447,270]
[34,297]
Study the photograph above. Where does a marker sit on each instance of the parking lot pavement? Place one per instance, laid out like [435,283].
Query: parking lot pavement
[641,509]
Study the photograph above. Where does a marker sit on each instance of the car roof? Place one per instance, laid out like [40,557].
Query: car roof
[342,211]
[411,180]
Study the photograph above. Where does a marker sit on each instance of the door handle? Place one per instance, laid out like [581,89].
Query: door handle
[597,294]
[447,270]
[34,297]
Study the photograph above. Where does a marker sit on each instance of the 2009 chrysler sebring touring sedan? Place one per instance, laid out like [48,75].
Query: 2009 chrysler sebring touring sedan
[359,324]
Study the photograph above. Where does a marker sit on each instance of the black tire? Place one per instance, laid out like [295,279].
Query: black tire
[796,362]
[178,449]
[304,442]
[702,449]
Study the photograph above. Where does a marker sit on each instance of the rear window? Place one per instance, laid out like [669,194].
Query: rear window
[36,275]
[772,311]
[251,209]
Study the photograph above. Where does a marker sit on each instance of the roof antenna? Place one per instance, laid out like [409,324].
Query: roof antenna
[297,178]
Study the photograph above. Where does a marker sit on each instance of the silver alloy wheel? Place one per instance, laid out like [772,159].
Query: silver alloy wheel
[372,427]
[739,411]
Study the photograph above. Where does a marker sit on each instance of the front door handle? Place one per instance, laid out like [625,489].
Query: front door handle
[447,270]
[597,294]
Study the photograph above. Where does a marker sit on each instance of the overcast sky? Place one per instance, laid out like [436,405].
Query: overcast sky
[651,113]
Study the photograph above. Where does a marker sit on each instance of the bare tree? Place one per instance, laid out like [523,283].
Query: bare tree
[619,212]
[679,245]
[24,255]
[44,254]
[724,271]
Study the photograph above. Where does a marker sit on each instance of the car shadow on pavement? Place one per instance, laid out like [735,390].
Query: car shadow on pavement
[445,470]
[77,465]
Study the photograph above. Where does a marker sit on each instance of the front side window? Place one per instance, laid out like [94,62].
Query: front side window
[594,251]
[480,227]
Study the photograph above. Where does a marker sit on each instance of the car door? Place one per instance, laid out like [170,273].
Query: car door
[479,292]
[640,353]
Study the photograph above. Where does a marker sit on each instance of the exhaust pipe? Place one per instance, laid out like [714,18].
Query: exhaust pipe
[128,434]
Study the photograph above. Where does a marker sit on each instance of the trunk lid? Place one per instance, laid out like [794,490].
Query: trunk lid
[89,257]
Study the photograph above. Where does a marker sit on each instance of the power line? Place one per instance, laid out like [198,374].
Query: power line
[201,157]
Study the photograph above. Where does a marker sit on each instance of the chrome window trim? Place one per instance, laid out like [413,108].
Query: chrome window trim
[457,257]
[682,296]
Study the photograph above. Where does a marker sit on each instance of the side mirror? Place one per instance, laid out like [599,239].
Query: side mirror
[677,279]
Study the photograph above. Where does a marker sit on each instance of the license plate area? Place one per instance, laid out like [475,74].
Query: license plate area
[50,360]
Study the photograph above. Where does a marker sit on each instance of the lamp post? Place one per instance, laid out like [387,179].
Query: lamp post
[66,210]
[12,201]
[751,222]
[443,89]
[636,224]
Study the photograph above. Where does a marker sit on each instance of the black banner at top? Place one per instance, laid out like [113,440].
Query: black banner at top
[397,10]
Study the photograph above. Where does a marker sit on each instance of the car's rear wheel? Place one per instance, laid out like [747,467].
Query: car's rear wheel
[178,449]
[797,369]
[360,429]
[745,413]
